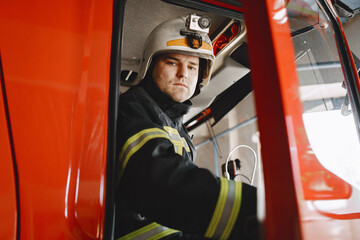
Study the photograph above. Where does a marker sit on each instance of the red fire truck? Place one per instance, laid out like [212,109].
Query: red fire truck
[283,105]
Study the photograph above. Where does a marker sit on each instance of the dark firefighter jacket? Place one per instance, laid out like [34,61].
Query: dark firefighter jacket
[160,193]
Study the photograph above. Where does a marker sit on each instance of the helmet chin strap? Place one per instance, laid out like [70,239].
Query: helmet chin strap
[200,77]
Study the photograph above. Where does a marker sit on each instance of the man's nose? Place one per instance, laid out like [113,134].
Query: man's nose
[182,72]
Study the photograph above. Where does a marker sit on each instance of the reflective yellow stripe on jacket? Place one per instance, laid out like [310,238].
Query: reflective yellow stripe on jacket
[226,211]
[134,143]
[152,231]
[178,142]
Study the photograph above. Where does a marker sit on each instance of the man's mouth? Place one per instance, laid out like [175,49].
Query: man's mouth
[180,84]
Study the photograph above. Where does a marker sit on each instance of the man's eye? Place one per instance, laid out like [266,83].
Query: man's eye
[192,68]
[171,63]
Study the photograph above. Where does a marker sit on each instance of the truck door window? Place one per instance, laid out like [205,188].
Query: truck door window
[327,116]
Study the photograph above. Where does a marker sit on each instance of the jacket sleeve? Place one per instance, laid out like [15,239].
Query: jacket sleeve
[170,190]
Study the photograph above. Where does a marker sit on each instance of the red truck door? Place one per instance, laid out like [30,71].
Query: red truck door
[56,69]
[9,199]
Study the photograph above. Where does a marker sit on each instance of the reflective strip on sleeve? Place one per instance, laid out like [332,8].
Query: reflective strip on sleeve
[152,231]
[134,143]
[187,148]
[174,134]
[226,211]
[179,142]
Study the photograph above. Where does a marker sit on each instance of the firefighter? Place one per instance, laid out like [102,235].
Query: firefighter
[160,193]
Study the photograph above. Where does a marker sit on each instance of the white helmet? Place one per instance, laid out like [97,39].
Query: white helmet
[185,35]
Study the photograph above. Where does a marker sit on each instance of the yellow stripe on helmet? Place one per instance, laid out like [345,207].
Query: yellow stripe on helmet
[183,43]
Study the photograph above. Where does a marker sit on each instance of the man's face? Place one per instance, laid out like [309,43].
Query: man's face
[176,75]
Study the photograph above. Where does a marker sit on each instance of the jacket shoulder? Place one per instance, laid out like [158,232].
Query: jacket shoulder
[137,112]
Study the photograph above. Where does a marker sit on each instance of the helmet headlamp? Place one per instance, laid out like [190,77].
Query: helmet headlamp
[196,26]
[198,23]
[204,23]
